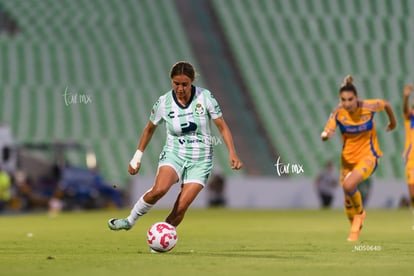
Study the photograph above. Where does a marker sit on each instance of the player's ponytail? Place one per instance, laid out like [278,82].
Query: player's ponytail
[348,85]
[348,80]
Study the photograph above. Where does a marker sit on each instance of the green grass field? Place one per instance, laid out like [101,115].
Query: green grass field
[211,242]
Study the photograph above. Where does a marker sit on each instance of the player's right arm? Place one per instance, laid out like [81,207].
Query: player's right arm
[135,163]
[330,126]
[146,135]
[325,135]
[406,107]
[156,117]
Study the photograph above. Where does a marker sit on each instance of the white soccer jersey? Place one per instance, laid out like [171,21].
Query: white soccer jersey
[188,127]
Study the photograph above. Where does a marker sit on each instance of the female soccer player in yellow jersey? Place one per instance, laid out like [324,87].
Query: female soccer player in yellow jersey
[409,142]
[360,151]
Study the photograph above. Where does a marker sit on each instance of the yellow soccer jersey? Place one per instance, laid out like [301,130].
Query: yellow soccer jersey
[358,131]
[409,138]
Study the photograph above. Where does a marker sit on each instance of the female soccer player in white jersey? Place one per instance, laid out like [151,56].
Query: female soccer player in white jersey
[187,154]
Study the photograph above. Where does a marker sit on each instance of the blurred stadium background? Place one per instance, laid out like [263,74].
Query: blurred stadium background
[274,65]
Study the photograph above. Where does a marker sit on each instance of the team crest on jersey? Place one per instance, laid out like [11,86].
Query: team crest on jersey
[199,109]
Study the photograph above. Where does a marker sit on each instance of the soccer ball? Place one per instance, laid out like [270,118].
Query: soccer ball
[162,237]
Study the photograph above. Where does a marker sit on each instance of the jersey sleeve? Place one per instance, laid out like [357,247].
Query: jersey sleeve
[213,107]
[374,105]
[330,125]
[156,112]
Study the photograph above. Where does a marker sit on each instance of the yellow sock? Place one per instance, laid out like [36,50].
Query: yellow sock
[356,200]
[349,210]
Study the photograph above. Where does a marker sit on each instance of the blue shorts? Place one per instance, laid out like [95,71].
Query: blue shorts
[188,171]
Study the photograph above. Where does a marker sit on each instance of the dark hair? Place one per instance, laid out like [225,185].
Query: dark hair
[183,68]
[348,85]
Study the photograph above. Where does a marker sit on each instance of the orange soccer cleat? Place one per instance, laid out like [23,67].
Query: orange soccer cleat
[356,227]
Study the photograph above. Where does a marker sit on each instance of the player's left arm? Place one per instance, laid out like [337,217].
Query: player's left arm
[406,108]
[393,122]
[235,162]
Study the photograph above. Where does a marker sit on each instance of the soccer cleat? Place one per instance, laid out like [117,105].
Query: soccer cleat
[356,227]
[119,224]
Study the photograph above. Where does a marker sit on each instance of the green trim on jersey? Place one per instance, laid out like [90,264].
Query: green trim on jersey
[188,128]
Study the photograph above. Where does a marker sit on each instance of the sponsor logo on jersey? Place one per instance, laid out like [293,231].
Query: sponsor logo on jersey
[211,140]
[183,141]
[185,114]
[188,127]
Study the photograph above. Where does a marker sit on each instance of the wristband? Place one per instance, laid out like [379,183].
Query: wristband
[136,159]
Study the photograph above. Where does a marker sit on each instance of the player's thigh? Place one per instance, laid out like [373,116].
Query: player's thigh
[166,177]
[344,172]
[174,162]
[189,192]
[169,172]
[366,166]
[351,181]
[355,173]
[198,172]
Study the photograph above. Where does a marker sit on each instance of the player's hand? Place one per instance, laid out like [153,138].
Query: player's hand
[235,162]
[324,136]
[408,89]
[133,171]
[390,126]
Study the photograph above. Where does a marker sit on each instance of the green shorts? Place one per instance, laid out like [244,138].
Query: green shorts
[187,171]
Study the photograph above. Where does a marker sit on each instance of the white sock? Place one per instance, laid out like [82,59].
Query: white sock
[140,208]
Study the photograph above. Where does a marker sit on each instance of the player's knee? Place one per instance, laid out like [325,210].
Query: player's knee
[347,188]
